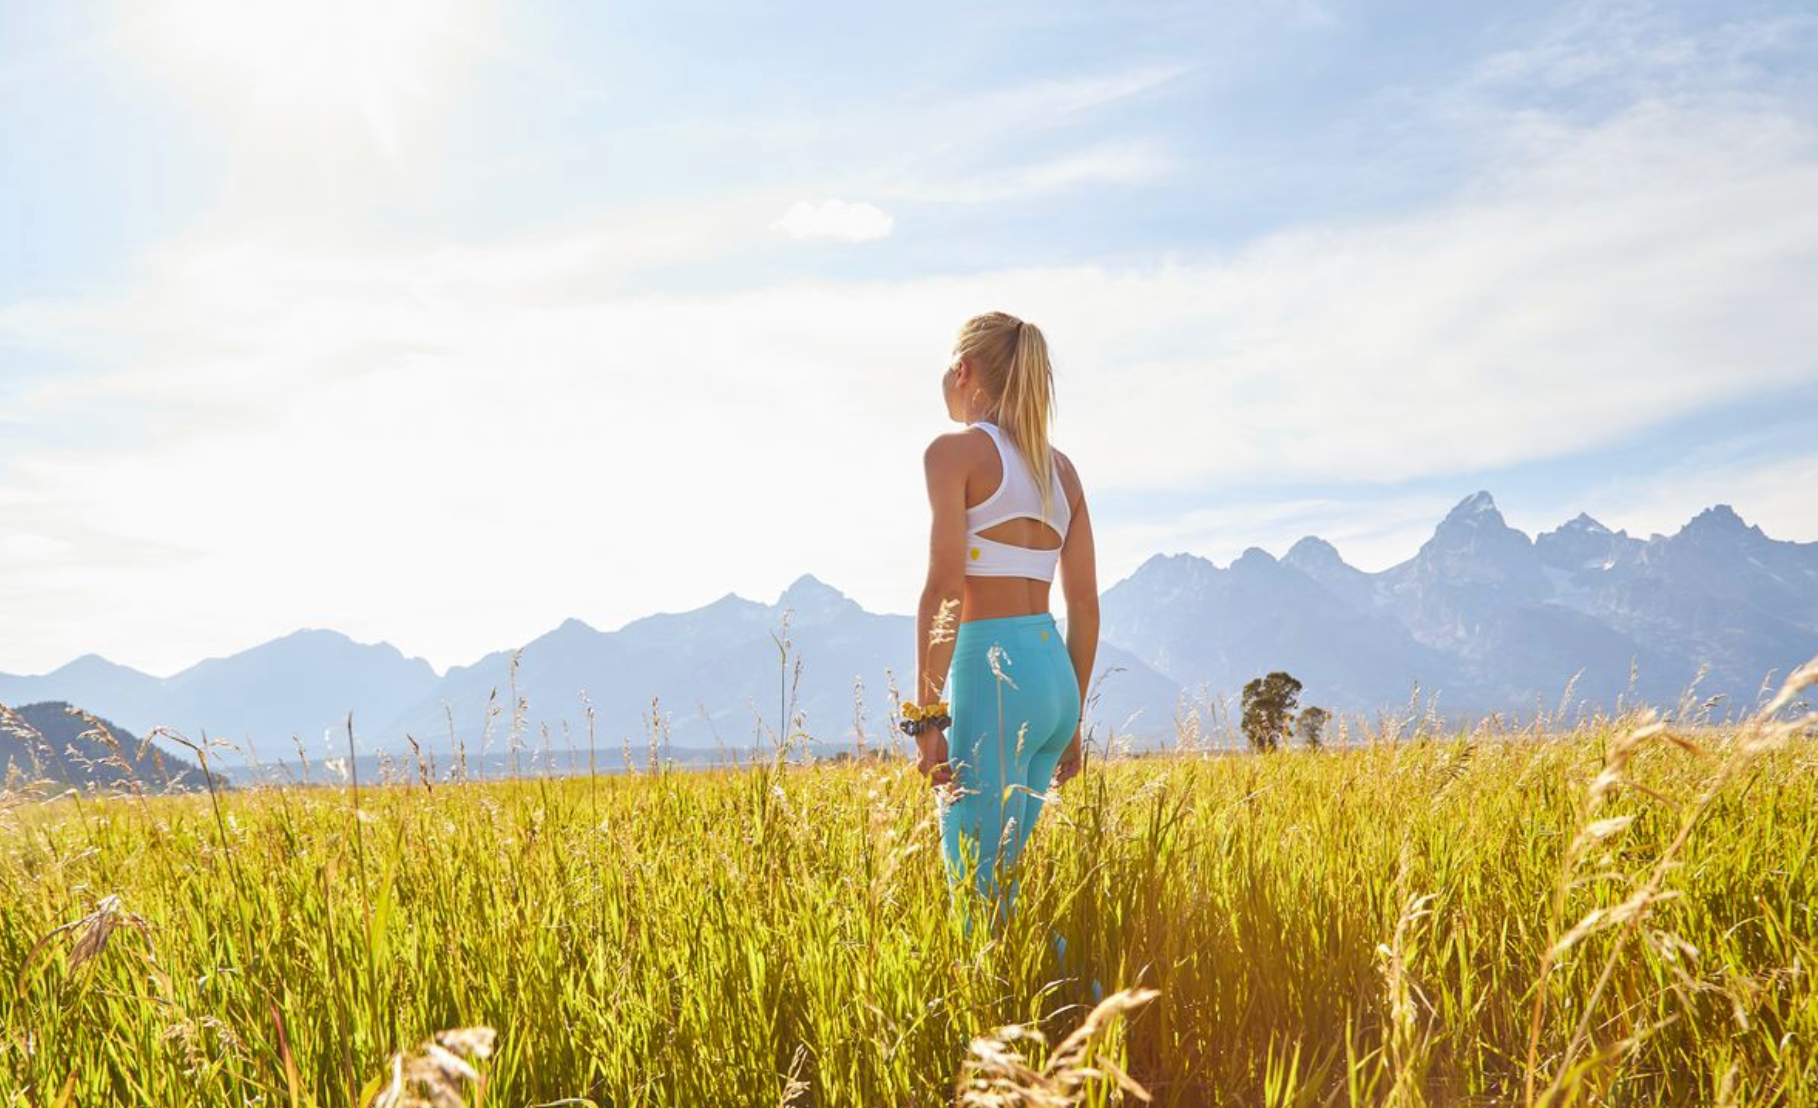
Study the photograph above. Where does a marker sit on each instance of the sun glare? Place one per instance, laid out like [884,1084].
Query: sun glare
[311,64]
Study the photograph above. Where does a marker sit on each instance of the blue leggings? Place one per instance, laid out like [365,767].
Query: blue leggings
[1007,736]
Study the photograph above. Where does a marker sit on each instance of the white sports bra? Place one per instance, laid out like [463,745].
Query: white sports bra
[1016,498]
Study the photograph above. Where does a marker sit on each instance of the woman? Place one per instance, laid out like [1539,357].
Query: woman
[998,703]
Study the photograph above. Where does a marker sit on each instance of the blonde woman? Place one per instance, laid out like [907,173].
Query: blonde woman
[997,709]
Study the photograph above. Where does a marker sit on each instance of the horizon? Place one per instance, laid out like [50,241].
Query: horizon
[438,324]
[442,668]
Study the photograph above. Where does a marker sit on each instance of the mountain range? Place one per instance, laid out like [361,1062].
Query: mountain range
[1488,619]
[1482,616]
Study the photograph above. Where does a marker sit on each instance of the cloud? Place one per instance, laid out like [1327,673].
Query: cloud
[1372,531]
[1772,493]
[1003,143]
[1122,163]
[455,449]
[989,116]
[834,219]
[1636,50]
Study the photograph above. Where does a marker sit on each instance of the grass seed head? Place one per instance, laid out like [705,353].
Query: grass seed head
[998,1074]
[92,933]
[437,1073]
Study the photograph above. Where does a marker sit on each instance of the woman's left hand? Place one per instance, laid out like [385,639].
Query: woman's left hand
[931,746]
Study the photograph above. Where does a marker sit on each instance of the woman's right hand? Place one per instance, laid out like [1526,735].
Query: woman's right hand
[931,748]
[1071,761]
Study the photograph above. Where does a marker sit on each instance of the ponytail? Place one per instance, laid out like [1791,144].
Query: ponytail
[1012,359]
[1028,406]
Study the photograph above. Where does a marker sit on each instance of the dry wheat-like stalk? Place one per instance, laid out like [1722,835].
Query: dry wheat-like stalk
[1408,1043]
[437,1072]
[942,628]
[793,1085]
[99,733]
[1766,730]
[996,1074]
[92,932]
[423,773]
[16,725]
[203,1041]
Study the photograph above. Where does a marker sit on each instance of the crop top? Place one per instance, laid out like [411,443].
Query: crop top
[1016,498]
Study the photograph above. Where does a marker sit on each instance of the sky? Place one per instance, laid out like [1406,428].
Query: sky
[438,322]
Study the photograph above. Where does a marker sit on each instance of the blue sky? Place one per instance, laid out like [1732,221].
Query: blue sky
[439,323]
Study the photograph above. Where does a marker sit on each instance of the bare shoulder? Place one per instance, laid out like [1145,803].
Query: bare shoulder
[953,450]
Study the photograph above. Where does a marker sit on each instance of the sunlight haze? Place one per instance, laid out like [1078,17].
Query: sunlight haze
[440,323]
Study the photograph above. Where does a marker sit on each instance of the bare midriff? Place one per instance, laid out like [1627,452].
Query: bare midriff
[997,597]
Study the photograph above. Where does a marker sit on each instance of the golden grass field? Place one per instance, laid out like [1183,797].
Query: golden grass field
[1621,915]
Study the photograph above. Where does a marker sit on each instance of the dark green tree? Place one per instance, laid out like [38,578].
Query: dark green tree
[1269,704]
[1312,726]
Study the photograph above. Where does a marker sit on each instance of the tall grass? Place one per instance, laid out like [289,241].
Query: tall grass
[1621,914]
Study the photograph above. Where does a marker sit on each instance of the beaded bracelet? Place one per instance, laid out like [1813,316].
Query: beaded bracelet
[926,723]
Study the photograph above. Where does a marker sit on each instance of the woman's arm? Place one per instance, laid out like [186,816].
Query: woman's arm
[1079,585]
[938,614]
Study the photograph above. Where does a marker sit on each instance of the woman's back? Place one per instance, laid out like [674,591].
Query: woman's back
[1004,528]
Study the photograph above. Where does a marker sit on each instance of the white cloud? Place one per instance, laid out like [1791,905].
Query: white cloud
[1370,532]
[1639,50]
[455,449]
[1124,163]
[29,549]
[998,144]
[1775,494]
[834,219]
[988,117]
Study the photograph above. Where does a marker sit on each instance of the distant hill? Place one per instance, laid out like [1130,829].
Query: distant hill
[48,742]
[123,692]
[302,685]
[717,677]
[1199,624]
[1482,616]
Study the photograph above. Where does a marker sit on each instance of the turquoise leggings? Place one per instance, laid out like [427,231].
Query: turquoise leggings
[1008,734]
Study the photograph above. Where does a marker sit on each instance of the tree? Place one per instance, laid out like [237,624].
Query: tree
[1269,704]
[1312,726]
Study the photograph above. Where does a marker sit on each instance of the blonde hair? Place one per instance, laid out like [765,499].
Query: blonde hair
[1011,358]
